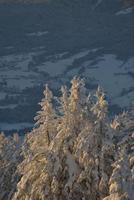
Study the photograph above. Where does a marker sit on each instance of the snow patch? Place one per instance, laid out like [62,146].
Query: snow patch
[98,3]
[14,71]
[11,106]
[38,34]
[125,11]
[57,67]
[14,126]
[113,75]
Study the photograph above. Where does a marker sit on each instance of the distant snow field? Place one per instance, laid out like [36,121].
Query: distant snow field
[114,75]
[14,126]
[56,68]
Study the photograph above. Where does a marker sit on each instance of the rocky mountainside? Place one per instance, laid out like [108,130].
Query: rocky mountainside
[52,42]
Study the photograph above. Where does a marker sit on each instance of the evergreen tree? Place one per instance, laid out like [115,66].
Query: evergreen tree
[35,151]
[9,159]
[121,179]
[46,118]
[72,155]
[103,145]
[72,107]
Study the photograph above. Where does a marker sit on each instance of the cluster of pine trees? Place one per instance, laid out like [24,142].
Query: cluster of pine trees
[74,152]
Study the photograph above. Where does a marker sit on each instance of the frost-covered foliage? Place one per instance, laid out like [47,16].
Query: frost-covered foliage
[75,152]
[9,159]
[46,118]
[121,181]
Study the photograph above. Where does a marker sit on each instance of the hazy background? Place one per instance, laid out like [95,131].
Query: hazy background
[51,42]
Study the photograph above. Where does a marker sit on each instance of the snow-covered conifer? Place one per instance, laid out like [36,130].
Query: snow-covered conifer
[35,150]
[121,179]
[9,159]
[100,109]
[70,156]
[46,118]
[72,109]
[103,144]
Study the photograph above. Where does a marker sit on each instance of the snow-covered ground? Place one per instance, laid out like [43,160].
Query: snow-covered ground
[58,67]
[50,46]
[38,34]
[111,73]
[14,71]
[98,3]
[10,106]
[14,126]
[125,11]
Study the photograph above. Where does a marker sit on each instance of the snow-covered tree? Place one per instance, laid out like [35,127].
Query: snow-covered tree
[72,155]
[46,118]
[45,127]
[121,179]
[9,159]
[123,122]
[103,144]
[72,113]
[35,150]
[100,108]
[81,143]
[77,99]
[72,116]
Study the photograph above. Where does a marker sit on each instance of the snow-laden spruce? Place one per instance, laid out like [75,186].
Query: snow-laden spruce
[75,151]
[10,157]
[121,182]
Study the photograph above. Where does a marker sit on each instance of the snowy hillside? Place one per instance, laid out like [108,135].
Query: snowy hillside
[50,43]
